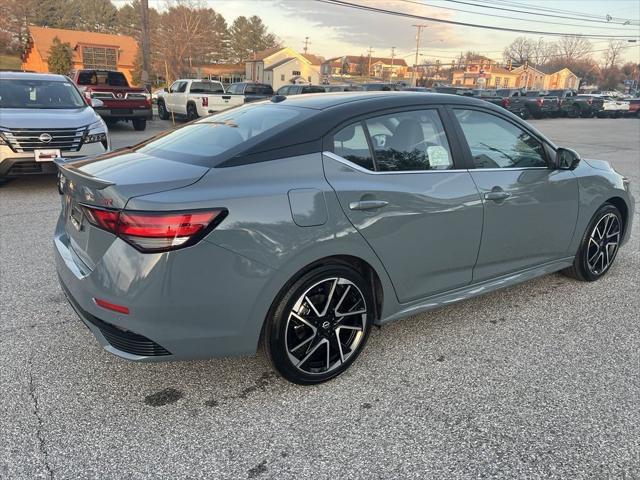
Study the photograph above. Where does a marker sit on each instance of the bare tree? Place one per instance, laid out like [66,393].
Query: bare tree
[543,52]
[519,51]
[574,48]
[613,54]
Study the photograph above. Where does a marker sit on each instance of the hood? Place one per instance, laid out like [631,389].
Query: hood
[118,176]
[598,164]
[47,118]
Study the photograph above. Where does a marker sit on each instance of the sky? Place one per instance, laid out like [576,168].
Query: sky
[336,30]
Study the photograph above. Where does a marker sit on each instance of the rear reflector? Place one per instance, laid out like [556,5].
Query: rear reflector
[111,306]
[155,231]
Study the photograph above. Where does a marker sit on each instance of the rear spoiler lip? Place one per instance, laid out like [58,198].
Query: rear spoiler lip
[79,176]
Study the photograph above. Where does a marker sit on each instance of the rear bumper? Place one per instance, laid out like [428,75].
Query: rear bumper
[198,302]
[125,113]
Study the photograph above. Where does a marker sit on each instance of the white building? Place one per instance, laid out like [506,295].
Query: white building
[282,66]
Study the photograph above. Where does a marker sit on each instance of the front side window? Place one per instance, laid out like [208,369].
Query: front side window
[351,144]
[406,141]
[496,143]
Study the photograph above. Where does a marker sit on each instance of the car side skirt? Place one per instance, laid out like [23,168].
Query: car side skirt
[476,289]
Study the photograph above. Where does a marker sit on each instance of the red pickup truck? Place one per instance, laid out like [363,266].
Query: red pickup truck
[120,101]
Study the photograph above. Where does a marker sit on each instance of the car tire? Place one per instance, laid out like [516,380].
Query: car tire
[574,112]
[599,246]
[163,114]
[525,114]
[306,338]
[139,124]
[192,112]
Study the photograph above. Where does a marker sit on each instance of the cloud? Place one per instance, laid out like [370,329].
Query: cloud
[362,29]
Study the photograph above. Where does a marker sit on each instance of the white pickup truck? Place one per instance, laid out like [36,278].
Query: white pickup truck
[188,98]
[239,94]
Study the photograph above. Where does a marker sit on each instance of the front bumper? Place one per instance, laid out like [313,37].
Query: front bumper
[125,113]
[14,164]
[197,302]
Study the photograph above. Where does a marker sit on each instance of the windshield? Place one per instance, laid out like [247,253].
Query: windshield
[49,94]
[202,142]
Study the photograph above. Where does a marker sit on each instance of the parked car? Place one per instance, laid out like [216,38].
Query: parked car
[417,89]
[634,107]
[570,103]
[451,90]
[239,94]
[352,87]
[379,87]
[606,107]
[43,117]
[527,104]
[188,98]
[299,89]
[305,221]
[120,101]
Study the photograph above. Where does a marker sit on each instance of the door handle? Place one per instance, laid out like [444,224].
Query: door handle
[497,195]
[367,204]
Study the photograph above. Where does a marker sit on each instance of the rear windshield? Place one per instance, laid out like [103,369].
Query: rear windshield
[102,78]
[213,139]
[206,87]
[17,93]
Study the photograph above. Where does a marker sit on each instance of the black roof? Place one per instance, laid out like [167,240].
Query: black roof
[372,101]
[326,111]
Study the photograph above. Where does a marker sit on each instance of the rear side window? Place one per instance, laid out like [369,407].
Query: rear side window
[264,90]
[351,144]
[407,141]
[204,141]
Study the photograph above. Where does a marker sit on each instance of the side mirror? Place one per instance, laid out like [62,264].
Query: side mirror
[567,159]
[97,103]
[165,89]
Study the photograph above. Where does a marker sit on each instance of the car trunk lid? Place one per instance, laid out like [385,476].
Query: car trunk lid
[109,182]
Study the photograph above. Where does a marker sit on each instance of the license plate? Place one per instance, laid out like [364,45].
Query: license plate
[46,155]
[75,217]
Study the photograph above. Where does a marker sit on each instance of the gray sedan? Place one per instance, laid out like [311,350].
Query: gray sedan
[302,222]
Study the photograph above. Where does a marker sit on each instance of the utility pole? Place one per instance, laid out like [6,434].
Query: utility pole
[415,63]
[306,44]
[393,54]
[369,69]
[144,18]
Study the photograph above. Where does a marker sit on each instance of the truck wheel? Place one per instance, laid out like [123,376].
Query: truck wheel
[139,124]
[192,112]
[162,110]
[525,114]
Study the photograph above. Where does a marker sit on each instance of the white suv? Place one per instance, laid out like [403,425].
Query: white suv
[43,117]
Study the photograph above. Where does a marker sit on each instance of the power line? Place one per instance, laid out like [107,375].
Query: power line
[493,7]
[505,16]
[466,24]
[553,10]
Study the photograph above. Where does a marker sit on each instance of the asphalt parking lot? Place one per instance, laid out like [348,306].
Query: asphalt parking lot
[541,380]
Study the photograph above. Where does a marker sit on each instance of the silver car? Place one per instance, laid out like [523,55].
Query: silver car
[42,117]
[304,221]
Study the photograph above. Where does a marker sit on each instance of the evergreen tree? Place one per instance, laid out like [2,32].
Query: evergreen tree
[60,57]
[249,35]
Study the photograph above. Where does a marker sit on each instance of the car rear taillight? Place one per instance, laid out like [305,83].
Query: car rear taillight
[156,231]
[589,101]
[205,101]
[540,101]
[111,306]
[506,102]
[87,97]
